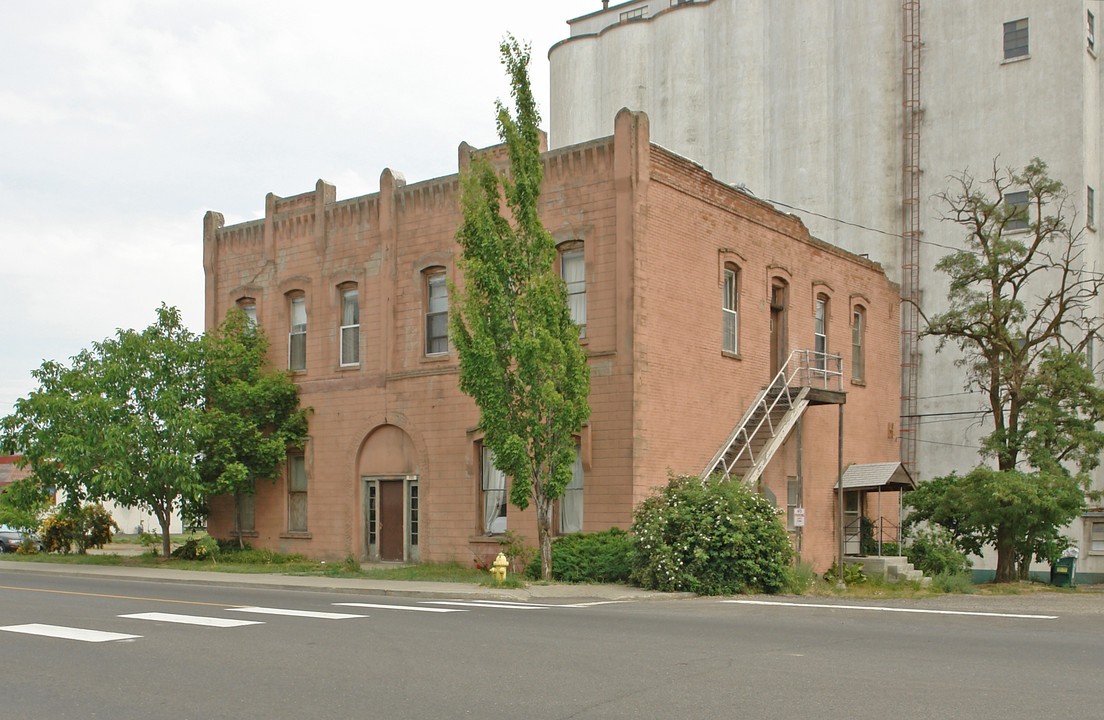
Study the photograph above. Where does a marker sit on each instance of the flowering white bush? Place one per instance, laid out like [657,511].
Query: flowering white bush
[711,538]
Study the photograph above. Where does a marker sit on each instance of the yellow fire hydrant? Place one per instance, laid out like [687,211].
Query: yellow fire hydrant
[499,569]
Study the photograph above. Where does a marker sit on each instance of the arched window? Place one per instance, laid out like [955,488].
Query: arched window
[248,306]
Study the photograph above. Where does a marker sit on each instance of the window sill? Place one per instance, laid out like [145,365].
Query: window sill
[734,356]
[858,382]
[295,535]
[486,539]
[348,368]
[245,533]
[1018,58]
[436,357]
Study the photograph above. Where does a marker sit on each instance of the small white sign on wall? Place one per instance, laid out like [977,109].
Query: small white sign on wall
[799,517]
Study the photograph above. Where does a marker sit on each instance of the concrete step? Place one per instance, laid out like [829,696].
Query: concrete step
[894,568]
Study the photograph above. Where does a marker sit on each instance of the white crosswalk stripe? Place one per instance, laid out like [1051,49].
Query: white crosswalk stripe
[296,613]
[192,619]
[400,607]
[68,633]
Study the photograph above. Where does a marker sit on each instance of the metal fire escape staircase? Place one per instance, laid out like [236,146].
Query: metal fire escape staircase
[774,413]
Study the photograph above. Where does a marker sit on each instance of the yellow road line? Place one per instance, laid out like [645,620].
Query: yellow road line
[120,597]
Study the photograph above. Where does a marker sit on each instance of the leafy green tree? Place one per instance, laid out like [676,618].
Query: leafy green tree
[1021,315]
[22,504]
[520,357]
[251,412]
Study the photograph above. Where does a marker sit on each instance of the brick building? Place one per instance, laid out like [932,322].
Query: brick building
[692,295]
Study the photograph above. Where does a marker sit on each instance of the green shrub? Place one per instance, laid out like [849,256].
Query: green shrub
[85,527]
[601,557]
[934,553]
[200,548]
[852,574]
[711,538]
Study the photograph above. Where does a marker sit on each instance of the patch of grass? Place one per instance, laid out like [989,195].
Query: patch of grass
[264,561]
[956,583]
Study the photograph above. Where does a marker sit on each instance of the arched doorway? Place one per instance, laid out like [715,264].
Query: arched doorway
[388,471]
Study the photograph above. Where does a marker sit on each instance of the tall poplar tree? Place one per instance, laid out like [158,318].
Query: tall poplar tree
[520,357]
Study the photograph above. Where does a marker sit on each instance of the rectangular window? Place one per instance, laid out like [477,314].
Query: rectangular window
[1015,39]
[857,345]
[494,495]
[1017,208]
[245,515]
[297,337]
[636,14]
[730,306]
[1096,536]
[573,272]
[297,494]
[1091,37]
[571,504]
[350,327]
[820,335]
[436,314]
[1090,207]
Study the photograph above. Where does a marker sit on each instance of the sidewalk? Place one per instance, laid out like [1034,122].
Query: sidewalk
[315,583]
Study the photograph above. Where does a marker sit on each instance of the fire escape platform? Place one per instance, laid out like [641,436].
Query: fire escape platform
[820,396]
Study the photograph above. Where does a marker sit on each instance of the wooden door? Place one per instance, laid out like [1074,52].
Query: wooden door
[391,523]
[777,329]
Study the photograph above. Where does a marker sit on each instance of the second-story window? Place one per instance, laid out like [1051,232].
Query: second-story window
[820,333]
[350,327]
[436,313]
[730,307]
[857,341]
[297,335]
[1091,36]
[573,272]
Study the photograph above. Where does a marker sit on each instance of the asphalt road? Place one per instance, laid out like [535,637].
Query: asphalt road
[435,658]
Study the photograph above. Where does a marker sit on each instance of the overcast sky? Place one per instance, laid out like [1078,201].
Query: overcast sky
[122,122]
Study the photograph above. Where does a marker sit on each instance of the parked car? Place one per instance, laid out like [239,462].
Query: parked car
[11,539]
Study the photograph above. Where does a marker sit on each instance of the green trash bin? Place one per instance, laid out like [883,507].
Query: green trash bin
[1062,573]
